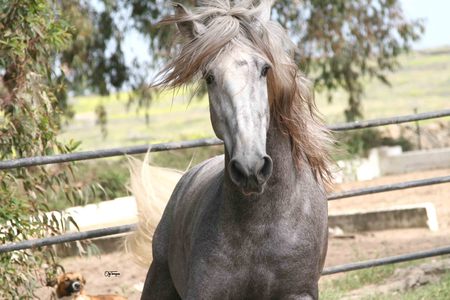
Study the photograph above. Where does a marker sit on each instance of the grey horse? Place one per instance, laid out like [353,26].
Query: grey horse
[251,224]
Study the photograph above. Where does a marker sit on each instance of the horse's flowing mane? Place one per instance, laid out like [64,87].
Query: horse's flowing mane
[291,98]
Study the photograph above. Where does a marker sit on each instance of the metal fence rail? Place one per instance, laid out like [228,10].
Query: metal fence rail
[389,121]
[85,155]
[67,237]
[389,187]
[94,154]
[70,237]
[386,261]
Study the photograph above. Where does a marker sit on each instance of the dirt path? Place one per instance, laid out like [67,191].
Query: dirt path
[392,242]
[361,247]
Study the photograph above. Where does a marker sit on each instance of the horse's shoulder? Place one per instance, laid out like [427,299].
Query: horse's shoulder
[203,171]
[198,179]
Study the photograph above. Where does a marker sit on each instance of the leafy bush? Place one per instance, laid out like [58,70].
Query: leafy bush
[32,107]
[359,142]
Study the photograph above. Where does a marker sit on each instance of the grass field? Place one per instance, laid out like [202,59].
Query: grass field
[422,82]
[372,278]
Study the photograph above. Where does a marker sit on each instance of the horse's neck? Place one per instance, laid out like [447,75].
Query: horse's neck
[277,196]
[279,148]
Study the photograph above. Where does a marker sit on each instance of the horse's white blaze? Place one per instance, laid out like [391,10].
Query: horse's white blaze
[239,103]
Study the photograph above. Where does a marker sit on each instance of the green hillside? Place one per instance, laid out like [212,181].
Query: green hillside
[422,82]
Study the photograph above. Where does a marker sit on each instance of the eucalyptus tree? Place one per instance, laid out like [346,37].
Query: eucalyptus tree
[339,42]
[32,107]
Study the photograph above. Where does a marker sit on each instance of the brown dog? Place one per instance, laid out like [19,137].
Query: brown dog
[71,286]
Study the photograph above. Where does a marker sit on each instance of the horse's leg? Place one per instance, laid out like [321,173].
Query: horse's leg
[312,294]
[158,284]
[303,296]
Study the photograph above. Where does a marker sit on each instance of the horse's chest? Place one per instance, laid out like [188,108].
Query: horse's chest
[268,254]
[258,268]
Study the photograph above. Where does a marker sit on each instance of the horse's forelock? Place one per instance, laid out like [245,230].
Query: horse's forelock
[199,51]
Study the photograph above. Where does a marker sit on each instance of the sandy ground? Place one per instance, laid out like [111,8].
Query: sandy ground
[362,246]
[378,244]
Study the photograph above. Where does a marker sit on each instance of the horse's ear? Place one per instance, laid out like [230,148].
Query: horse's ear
[263,10]
[187,28]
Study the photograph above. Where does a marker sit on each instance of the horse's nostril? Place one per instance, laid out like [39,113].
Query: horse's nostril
[253,175]
[237,171]
[266,168]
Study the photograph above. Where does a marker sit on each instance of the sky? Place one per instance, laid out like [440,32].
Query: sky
[436,15]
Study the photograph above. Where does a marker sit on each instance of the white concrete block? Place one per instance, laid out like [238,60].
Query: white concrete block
[405,216]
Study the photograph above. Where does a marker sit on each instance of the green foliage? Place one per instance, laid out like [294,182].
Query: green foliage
[439,290]
[359,142]
[32,107]
[20,269]
[94,59]
[102,118]
[339,43]
[183,159]
[114,182]
[340,287]
[112,175]
[337,288]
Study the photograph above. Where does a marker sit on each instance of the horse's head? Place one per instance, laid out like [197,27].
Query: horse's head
[247,63]
[239,105]
[239,108]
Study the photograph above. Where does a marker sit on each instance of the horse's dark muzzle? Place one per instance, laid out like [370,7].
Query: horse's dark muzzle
[250,174]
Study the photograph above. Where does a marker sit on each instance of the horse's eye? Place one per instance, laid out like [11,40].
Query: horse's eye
[265,70]
[209,78]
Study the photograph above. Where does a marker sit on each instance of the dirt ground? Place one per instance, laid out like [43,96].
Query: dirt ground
[360,247]
[392,242]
